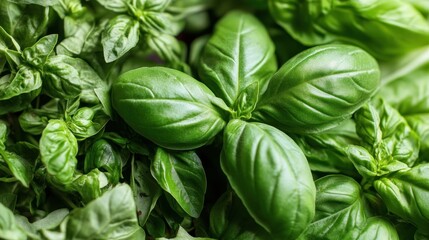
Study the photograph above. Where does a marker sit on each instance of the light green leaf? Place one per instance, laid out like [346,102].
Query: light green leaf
[37,54]
[120,36]
[58,149]
[111,216]
[19,166]
[270,175]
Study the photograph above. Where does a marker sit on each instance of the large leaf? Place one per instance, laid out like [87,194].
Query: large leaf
[318,88]
[270,174]
[405,194]
[111,216]
[386,28]
[340,208]
[58,149]
[181,175]
[239,53]
[37,54]
[168,107]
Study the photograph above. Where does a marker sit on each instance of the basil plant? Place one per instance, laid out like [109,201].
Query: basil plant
[243,96]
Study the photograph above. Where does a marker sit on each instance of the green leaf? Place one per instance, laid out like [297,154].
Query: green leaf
[58,149]
[19,166]
[37,54]
[77,31]
[166,46]
[182,175]
[168,107]
[386,28]
[87,122]
[52,220]
[301,98]
[152,5]
[374,228]
[405,193]
[120,36]
[18,90]
[89,185]
[270,174]
[146,190]
[8,226]
[219,214]
[326,152]
[182,234]
[111,216]
[44,3]
[61,77]
[7,41]
[340,208]
[26,23]
[105,157]
[115,5]
[386,134]
[239,53]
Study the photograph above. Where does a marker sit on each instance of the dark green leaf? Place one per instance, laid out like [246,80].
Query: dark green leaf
[20,167]
[181,175]
[146,190]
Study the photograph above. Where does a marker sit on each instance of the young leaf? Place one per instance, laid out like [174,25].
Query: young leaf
[301,98]
[181,175]
[120,36]
[239,53]
[37,54]
[270,175]
[405,193]
[58,149]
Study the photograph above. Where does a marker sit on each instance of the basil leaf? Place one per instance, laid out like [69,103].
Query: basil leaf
[8,226]
[58,149]
[18,90]
[374,228]
[26,23]
[44,3]
[115,5]
[327,151]
[385,28]
[111,216]
[77,31]
[283,201]
[404,194]
[89,185]
[168,107]
[19,166]
[300,97]
[103,155]
[181,175]
[87,122]
[152,5]
[239,53]
[120,36]
[340,208]
[37,54]
[146,190]
[61,77]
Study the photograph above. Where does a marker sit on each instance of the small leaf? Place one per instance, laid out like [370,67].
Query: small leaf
[120,36]
[20,167]
[181,175]
[58,149]
[37,54]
